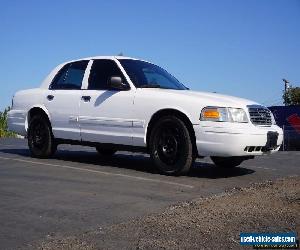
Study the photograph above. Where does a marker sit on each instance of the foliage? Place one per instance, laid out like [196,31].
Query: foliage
[3,125]
[292,96]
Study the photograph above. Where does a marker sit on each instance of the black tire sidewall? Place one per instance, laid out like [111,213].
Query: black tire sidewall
[49,147]
[186,157]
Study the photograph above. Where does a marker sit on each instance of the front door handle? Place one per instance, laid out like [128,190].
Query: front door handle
[86,98]
[50,97]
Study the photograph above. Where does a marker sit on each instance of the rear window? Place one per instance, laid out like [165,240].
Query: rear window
[70,76]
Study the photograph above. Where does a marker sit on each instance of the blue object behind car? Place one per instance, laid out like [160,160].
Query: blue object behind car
[288,118]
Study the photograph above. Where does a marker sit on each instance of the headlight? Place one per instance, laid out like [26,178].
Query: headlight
[220,114]
[238,115]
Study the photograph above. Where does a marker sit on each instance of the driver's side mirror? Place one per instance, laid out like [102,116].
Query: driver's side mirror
[115,82]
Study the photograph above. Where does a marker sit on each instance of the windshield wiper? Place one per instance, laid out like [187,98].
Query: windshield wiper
[149,86]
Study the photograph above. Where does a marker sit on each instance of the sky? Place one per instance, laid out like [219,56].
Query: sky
[240,48]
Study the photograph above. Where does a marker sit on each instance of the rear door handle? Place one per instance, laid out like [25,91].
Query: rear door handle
[50,97]
[86,98]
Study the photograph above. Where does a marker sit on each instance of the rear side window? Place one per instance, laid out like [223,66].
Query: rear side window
[102,70]
[70,76]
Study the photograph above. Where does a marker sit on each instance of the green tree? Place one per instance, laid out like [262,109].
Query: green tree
[292,96]
[4,132]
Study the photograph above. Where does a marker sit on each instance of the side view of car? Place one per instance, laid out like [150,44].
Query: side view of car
[121,103]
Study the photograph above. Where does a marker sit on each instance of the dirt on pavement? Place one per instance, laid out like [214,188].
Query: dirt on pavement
[207,223]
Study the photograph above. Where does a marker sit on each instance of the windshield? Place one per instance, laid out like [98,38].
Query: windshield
[148,75]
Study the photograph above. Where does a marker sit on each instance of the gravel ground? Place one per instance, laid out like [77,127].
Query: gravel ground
[207,223]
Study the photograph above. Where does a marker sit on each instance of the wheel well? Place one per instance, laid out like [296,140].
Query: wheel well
[36,111]
[178,114]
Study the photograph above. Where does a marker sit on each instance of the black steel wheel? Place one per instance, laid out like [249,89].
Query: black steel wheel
[170,146]
[40,139]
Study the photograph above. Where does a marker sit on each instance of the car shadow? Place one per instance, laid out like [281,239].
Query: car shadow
[137,162]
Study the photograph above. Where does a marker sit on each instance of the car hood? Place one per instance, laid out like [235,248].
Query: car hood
[214,97]
[207,98]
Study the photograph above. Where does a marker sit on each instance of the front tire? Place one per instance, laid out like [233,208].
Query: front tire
[171,147]
[227,162]
[40,139]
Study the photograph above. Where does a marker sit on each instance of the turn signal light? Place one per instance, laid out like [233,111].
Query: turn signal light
[211,114]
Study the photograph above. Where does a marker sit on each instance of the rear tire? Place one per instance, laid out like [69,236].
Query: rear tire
[40,138]
[171,147]
[106,152]
[227,162]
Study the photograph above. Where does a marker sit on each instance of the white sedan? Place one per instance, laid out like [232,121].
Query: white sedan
[120,103]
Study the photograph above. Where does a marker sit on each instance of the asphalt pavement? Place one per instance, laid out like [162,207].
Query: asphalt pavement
[77,190]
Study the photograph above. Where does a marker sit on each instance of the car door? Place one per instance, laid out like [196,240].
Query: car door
[106,114]
[63,99]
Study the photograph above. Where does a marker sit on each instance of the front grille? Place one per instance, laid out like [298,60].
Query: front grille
[260,115]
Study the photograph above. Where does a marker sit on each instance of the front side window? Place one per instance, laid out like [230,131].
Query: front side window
[70,76]
[148,75]
[101,72]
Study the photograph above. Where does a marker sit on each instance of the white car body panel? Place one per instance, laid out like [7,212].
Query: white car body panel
[122,117]
[24,101]
[107,117]
[64,112]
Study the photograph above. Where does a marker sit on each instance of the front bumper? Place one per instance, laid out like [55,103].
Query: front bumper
[233,139]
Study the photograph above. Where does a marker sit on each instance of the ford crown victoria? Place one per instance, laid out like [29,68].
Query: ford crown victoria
[120,103]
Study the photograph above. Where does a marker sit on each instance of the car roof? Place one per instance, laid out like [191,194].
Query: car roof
[45,83]
[106,57]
